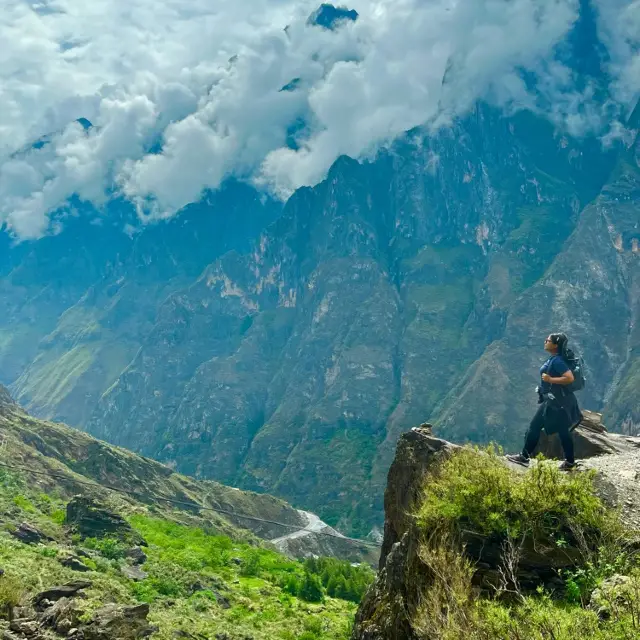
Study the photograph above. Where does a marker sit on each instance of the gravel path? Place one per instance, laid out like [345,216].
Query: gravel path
[618,479]
[314,524]
[619,483]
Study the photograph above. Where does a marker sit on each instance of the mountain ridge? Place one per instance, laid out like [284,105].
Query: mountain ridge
[74,461]
[349,318]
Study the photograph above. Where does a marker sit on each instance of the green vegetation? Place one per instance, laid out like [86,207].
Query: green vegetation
[540,510]
[50,381]
[477,489]
[339,578]
[531,247]
[197,580]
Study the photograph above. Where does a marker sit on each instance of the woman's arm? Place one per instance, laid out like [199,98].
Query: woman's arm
[566,378]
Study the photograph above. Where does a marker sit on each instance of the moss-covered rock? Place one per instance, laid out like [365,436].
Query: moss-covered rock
[475,548]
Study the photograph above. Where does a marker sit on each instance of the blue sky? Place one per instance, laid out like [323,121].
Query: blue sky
[200,80]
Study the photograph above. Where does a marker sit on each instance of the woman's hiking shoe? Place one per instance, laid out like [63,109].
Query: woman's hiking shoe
[568,466]
[519,459]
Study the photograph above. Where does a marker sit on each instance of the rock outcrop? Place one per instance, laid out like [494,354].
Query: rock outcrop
[615,458]
[389,608]
[55,610]
[93,520]
[29,534]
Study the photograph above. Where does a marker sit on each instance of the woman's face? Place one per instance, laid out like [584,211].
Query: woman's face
[549,346]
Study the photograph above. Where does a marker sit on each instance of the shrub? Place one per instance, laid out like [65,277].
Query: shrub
[58,516]
[476,490]
[291,585]
[109,548]
[251,565]
[313,624]
[11,592]
[151,589]
[447,607]
[11,481]
[24,503]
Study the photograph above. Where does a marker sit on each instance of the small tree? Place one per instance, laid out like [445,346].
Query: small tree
[311,588]
[291,585]
[251,565]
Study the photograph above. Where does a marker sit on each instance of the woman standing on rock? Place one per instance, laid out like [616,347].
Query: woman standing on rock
[558,411]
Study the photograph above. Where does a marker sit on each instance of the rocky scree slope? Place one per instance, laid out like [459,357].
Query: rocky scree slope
[486,584]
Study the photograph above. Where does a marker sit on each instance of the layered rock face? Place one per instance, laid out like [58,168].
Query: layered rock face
[590,290]
[75,307]
[294,368]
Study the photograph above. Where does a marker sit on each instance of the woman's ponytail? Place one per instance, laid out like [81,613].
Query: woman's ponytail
[562,341]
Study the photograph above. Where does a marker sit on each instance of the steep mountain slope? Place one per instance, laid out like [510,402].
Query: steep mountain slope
[55,457]
[81,562]
[75,307]
[295,367]
[590,291]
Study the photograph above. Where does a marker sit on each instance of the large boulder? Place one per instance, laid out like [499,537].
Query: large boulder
[614,457]
[53,594]
[65,617]
[62,616]
[591,439]
[74,563]
[30,535]
[93,520]
[114,621]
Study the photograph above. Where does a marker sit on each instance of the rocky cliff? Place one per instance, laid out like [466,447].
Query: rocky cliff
[590,289]
[76,306]
[410,573]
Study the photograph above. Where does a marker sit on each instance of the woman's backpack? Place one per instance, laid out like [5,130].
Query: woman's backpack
[576,364]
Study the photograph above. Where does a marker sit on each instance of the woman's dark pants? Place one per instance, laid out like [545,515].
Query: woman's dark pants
[556,422]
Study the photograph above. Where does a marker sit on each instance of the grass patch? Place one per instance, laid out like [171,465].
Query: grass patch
[476,489]
[197,581]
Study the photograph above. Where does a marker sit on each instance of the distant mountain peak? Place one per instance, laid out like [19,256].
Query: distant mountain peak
[84,123]
[330,17]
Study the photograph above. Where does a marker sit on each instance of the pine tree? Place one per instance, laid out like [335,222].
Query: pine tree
[311,588]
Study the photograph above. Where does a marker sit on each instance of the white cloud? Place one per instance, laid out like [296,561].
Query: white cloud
[620,31]
[202,78]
